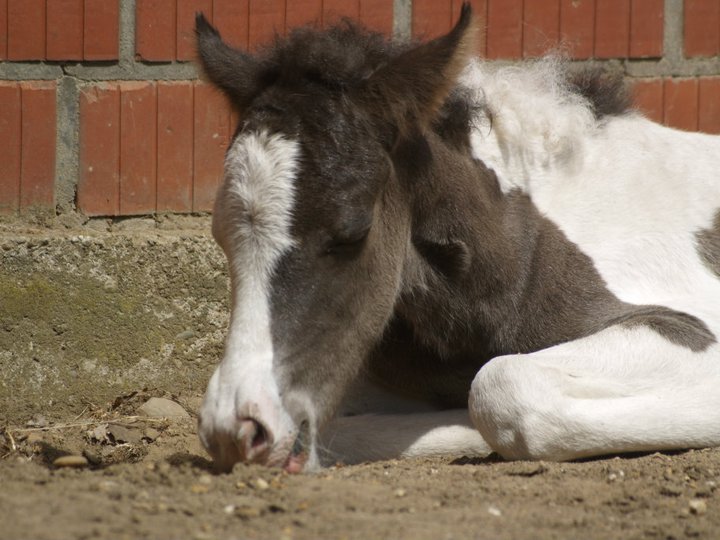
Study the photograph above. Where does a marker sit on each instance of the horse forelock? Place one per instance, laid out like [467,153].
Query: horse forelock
[343,55]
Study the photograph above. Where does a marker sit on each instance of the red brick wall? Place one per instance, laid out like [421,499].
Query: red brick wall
[27,145]
[59,29]
[156,144]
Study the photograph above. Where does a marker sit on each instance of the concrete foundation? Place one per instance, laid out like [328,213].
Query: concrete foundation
[87,315]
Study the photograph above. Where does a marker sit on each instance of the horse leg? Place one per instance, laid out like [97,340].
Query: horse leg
[370,437]
[620,390]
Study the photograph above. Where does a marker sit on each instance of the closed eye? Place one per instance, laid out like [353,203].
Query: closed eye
[347,246]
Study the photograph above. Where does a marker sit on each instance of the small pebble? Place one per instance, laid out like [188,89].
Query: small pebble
[247,512]
[151,434]
[205,479]
[697,506]
[400,492]
[71,461]
[261,484]
[494,511]
[38,421]
[162,408]
[34,437]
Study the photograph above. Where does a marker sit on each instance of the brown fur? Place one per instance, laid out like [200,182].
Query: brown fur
[606,91]
[709,245]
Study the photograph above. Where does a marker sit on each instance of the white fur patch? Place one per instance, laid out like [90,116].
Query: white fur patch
[632,195]
[251,221]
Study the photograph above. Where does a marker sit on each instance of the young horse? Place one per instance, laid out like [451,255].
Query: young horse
[416,234]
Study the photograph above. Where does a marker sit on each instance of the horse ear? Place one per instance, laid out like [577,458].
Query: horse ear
[413,86]
[233,71]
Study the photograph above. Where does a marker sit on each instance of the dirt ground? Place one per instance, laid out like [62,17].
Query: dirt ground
[149,478]
[74,373]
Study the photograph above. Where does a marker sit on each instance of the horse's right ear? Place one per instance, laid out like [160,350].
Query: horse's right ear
[233,71]
[411,88]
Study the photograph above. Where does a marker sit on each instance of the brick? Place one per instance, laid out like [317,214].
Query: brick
[681,104]
[3,29]
[186,10]
[102,20]
[37,182]
[334,10]
[98,192]
[155,30]
[65,19]
[26,29]
[612,28]
[431,18]
[648,98]
[174,146]
[702,27]
[138,148]
[504,32]
[709,105]
[480,8]
[266,20]
[303,12]
[541,28]
[577,27]
[10,133]
[377,15]
[211,126]
[646,28]
[230,17]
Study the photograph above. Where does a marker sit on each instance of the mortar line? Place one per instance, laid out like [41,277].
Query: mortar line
[402,20]
[82,34]
[673,34]
[7,33]
[22,148]
[120,149]
[67,147]
[126,34]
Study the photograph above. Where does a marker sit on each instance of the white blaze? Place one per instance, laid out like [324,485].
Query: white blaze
[251,221]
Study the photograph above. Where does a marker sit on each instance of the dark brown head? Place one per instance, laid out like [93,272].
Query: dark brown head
[314,218]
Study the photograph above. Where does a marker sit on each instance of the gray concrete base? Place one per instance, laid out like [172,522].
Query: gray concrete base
[88,315]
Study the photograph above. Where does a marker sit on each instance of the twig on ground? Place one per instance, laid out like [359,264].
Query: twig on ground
[119,420]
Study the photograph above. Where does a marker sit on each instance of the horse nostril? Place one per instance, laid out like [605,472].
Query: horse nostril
[260,438]
[254,438]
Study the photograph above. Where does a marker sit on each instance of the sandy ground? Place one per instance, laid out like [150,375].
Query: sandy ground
[149,478]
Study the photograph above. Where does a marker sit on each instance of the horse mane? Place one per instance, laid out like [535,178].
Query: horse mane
[540,111]
[606,91]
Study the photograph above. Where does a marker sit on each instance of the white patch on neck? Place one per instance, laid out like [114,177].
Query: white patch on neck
[251,221]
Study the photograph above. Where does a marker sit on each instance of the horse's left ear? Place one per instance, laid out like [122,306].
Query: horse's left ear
[234,72]
[412,87]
